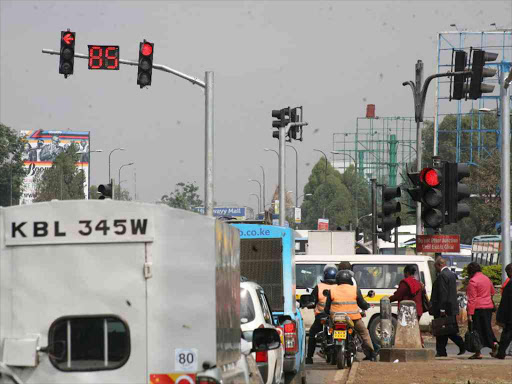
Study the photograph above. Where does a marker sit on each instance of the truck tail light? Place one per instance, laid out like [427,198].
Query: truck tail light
[206,380]
[340,326]
[291,344]
[262,357]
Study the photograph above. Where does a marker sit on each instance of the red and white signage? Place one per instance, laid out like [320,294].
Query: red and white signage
[323,224]
[438,243]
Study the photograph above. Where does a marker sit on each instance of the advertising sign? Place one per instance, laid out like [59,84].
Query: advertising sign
[323,224]
[41,149]
[219,212]
[297,215]
[438,243]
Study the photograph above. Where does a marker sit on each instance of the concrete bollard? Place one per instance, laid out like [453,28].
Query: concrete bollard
[407,337]
[386,327]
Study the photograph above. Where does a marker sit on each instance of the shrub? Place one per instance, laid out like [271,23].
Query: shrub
[493,272]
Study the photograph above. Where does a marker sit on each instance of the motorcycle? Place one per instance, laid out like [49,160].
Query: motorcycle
[339,341]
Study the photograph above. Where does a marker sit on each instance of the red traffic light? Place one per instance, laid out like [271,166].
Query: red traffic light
[147,49]
[68,38]
[431,177]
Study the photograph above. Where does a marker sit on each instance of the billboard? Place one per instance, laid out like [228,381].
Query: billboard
[41,149]
[238,212]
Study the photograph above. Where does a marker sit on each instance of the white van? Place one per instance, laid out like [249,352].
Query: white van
[380,273]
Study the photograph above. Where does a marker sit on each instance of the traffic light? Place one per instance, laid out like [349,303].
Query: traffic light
[460,87]
[295,133]
[456,191]
[282,116]
[144,73]
[67,53]
[389,207]
[105,190]
[479,72]
[432,197]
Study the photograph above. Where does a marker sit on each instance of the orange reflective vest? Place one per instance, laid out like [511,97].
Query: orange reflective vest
[320,305]
[344,299]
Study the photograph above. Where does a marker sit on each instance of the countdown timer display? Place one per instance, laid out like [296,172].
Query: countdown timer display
[103,56]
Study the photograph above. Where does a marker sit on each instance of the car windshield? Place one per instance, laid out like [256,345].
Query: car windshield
[308,275]
[246,307]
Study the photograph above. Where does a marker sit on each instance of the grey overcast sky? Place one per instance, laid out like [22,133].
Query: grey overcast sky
[333,58]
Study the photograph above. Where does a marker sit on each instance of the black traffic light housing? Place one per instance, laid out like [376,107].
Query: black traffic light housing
[455,191]
[479,73]
[105,190]
[67,53]
[460,86]
[432,197]
[145,69]
[283,118]
[295,132]
[388,208]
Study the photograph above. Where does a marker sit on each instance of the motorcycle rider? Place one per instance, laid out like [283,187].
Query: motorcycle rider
[346,297]
[328,281]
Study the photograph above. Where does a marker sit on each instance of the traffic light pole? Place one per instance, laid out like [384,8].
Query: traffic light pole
[374,216]
[207,85]
[419,93]
[282,169]
[505,169]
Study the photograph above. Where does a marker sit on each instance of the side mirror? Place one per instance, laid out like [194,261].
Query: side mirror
[371,293]
[265,339]
[306,300]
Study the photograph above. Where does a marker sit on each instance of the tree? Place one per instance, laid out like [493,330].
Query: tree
[333,196]
[125,194]
[64,180]
[12,171]
[185,196]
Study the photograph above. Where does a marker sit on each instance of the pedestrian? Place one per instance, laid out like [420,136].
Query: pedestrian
[444,303]
[480,307]
[504,316]
[410,289]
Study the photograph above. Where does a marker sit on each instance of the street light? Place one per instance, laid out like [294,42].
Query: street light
[260,188]
[89,171]
[264,190]
[355,182]
[110,154]
[121,167]
[326,161]
[305,194]
[259,206]
[273,150]
[296,175]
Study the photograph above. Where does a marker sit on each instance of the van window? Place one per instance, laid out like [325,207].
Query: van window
[308,275]
[89,343]
[432,270]
[379,276]
[247,313]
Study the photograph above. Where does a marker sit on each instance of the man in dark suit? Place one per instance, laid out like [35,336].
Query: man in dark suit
[444,303]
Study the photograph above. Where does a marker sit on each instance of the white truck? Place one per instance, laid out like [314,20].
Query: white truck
[108,292]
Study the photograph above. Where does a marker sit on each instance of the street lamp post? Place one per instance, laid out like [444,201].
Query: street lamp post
[277,153]
[296,175]
[109,178]
[89,171]
[259,206]
[256,181]
[264,188]
[121,167]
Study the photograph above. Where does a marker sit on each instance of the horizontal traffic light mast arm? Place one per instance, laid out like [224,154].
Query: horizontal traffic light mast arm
[164,68]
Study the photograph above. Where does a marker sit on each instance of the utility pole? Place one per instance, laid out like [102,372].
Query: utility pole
[505,167]
[374,216]
[419,92]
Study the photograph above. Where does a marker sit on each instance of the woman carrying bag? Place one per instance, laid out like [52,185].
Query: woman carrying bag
[480,307]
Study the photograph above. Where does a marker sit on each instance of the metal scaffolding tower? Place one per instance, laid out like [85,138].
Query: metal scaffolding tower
[381,147]
[473,141]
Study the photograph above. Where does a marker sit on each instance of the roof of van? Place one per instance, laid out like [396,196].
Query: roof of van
[354,258]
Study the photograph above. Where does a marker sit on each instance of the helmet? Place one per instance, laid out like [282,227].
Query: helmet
[330,274]
[344,277]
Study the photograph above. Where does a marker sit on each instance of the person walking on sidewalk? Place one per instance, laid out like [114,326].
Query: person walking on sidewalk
[480,307]
[504,316]
[444,303]
[410,289]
